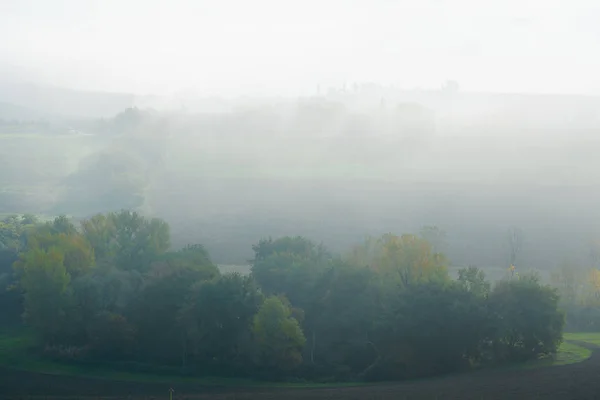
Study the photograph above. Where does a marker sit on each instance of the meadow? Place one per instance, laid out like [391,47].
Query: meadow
[22,373]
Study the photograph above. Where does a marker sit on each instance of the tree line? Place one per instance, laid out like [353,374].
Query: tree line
[111,290]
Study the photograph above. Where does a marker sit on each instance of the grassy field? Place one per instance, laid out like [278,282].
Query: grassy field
[16,352]
[568,353]
[587,337]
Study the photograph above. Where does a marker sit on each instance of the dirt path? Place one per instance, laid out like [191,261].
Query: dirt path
[576,381]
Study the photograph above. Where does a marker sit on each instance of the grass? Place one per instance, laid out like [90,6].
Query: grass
[568,353]
[16,351]
[587,337]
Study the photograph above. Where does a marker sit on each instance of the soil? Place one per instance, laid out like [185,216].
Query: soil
[576,381]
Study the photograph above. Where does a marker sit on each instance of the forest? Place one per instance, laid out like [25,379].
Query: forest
[111,291]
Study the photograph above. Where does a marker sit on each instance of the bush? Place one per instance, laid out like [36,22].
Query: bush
[526,321]
[432,328]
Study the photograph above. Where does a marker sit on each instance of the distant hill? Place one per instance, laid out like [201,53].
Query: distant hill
[9,111]
[57,101]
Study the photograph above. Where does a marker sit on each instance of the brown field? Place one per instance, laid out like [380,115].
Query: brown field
[574,381]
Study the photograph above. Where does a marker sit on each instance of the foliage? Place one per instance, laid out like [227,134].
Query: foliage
[407,259]
[217,318]
[299,246]
[111,336]
[126,239]
[112,290]
[579,296]
[45,283]
[472,279]
[279,338]
[78,254]
[156,309]
[525,319]
[428,329]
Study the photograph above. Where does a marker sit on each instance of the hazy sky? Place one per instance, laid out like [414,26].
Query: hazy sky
[288,47]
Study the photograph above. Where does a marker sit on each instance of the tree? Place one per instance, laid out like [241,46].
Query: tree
[408,259]
[160,301]
[299,246]
[278,336]
[45,283]
[526,320]
[429,328]
[110,336]
[127,240]
[515,243]
[472,279]
[100,231]
[579,291]
[290,274]
[340,325]
[104,290]
[194,256]
[569,279]
[62,225]
[78,255]
[435,236]
[138,240]
[216,321]
[77,252]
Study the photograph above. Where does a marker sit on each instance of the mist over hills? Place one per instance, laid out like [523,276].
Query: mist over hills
[355,160]
[61,102]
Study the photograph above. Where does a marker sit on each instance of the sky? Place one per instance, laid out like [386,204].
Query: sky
[281,47]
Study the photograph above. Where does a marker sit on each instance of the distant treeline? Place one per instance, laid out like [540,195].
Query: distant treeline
[111,291]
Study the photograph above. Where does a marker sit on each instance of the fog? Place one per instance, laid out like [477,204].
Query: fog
[232,47]
[351,162]
[331,120]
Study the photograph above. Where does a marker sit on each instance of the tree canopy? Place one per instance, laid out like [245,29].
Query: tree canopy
[111,289]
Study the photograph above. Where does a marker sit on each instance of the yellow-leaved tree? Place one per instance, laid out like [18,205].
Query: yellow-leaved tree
[593,286]
[406,259]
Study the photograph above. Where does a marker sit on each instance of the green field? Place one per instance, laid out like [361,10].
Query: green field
[16,352]
[587,337]
[568,353]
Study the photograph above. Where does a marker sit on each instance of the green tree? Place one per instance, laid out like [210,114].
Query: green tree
[278,336]
[473,280]
[104,290]
[406,259]
[126,239]
[138,240]
[341,323]
[100,231]
[161,300]
[429,328]
[45,284]
[290,274]
[570,280]
[78,255]
[298,246]
[13,238]
[217,320]
[526,320]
